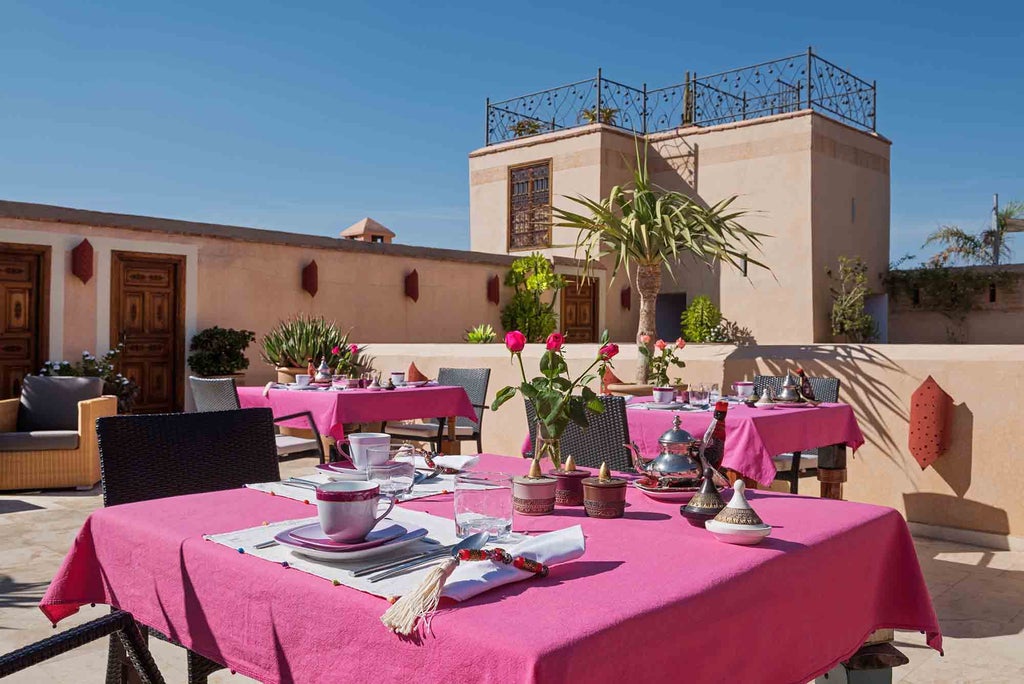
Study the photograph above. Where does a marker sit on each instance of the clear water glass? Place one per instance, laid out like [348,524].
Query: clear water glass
[393,477]
[714,394]
[483,503]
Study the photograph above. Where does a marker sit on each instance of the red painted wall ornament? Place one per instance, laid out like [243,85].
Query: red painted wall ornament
[81,261]
[412,285]
[931,418]
[311,278]
[626,297]
[494,290]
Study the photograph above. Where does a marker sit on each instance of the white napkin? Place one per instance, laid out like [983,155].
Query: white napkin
[454,462]
[551,548]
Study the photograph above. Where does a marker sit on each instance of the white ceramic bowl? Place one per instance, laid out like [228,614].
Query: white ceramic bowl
[729,533]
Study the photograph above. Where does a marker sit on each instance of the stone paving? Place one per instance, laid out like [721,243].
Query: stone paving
[978,594]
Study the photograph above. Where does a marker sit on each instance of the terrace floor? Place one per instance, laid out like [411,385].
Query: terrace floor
[978,594]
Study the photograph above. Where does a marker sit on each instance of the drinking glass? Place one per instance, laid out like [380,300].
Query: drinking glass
[394,477]
[714,394]
[483,503]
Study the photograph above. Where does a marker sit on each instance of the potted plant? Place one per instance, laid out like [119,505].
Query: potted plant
[659,361]
[220,352]
[481,334]
[525,127]
[114,384]
[292,344]
[608,115]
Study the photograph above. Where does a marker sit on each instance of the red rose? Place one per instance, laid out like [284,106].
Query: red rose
[515,341]
[680,343]
[608,351]
[555,341]
[353,349]
[660,345]
[646,339]
[336,350]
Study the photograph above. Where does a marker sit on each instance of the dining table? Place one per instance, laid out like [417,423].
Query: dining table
[333,408]
[752,435]
[652,598]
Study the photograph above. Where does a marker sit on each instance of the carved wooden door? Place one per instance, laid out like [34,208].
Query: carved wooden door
[147,313]
[24,284]
[579,309]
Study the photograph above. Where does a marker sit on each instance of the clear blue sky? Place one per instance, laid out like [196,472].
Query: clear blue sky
[310,116]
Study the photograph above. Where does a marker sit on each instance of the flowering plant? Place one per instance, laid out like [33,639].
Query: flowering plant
[661,359]
[347,358]
[552,391]
[114,384]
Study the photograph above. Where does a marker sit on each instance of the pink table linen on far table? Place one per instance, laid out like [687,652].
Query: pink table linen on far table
[753,436]
[331,409]
[652,599]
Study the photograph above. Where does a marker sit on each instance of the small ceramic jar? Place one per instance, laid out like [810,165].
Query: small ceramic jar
[535,493]
[604,496]
[569,490]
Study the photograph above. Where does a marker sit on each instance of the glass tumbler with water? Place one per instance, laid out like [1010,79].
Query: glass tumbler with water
[483,503]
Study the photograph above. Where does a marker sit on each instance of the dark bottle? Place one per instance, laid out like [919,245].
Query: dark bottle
[805,385]
[713,444]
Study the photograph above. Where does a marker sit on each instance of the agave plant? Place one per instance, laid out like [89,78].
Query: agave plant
[481,334]
[294,342]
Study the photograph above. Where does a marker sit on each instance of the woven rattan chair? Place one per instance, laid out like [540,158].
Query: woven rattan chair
[791,467]
[152,456]
[435,431]
[602,442]
[118,624]
[221,394]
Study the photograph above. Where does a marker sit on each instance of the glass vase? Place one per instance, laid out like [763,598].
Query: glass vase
[549,445]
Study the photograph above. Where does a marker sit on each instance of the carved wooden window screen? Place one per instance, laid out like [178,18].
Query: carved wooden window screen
[529,221]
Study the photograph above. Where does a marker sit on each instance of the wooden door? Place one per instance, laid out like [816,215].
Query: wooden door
[579,309]
[147,313]
[24,318]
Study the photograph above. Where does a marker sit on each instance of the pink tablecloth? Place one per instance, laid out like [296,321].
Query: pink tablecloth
[653,599]
[753,436]
[332,409]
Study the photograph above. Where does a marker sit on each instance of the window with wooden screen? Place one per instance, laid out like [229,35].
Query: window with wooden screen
[529,218]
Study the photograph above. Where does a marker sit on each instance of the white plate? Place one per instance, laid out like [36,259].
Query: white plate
[673,495]
[410,537]
[415,383]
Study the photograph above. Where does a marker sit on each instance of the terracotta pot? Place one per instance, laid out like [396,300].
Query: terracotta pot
[569,490]
[604,499]
[286,374]
[533,495]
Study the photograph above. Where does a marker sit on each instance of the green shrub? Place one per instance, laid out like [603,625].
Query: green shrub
[294,342]
[219,351]
[533,278]
[850,320]
[700,320]
[481,334]
[114,384]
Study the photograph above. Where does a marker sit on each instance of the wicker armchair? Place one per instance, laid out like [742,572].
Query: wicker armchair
[53,451]
[153,456]
[603,442]
[435,431]
[119,624]
[790,467]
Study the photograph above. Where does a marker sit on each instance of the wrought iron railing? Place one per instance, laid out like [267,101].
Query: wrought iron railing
[790,84]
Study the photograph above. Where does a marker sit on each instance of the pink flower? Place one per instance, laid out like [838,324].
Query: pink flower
[680,343]
[646,339]
[515,341]
[353,349]
[555,341]
[660,345]
[336,350]
[608,351]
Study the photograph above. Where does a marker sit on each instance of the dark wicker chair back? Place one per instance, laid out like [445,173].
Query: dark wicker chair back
[474,381]
[825,389]
[214,394]
[152,456]
[602,442]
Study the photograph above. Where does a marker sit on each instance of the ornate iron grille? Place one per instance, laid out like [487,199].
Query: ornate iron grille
[529,219]
[790,84]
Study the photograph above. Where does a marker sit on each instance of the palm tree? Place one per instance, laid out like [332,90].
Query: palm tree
[987,248]
[648,227]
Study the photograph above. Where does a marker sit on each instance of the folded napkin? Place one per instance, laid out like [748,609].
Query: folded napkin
[414,374]
[453,462]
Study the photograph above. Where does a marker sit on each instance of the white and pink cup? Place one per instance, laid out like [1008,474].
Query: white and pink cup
[744,389]
[663,395]
[348,510]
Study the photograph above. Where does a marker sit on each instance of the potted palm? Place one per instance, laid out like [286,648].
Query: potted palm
[646,228]
[220,352]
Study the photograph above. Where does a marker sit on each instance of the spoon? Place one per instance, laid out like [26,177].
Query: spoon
[476,541]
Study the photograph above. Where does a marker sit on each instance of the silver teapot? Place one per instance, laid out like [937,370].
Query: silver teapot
[790,393]
[323,373]
[677,463]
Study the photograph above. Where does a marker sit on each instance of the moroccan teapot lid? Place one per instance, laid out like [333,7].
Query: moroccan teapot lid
[677,435]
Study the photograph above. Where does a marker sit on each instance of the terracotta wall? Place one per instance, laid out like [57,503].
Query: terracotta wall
[975,485]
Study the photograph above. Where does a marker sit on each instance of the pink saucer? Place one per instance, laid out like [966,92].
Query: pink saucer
[313,535]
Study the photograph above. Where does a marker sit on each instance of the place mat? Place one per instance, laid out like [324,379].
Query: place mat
[468,579]
[442,484]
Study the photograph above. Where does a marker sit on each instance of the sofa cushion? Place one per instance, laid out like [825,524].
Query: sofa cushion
[51,403]
[42,440]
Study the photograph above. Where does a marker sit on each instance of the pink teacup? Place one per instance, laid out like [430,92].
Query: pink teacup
[348,510]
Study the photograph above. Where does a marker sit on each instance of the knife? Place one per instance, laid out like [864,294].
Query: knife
[476,541]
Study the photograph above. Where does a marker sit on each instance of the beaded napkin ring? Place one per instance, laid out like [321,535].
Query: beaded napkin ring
[421,603]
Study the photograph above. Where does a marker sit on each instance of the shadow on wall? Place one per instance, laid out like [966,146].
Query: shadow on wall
[954,466]
[955,511]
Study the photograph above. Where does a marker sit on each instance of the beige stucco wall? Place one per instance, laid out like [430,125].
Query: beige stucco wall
[975,485]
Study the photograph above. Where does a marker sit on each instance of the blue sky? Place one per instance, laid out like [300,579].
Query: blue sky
[309,116]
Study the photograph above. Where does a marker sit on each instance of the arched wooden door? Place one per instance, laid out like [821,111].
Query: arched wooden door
[147,313]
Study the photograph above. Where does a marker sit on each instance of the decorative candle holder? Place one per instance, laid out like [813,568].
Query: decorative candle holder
[569,490]
[535,493]
[604,496]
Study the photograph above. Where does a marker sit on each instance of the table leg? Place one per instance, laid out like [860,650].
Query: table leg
[832,471]
[451,445]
